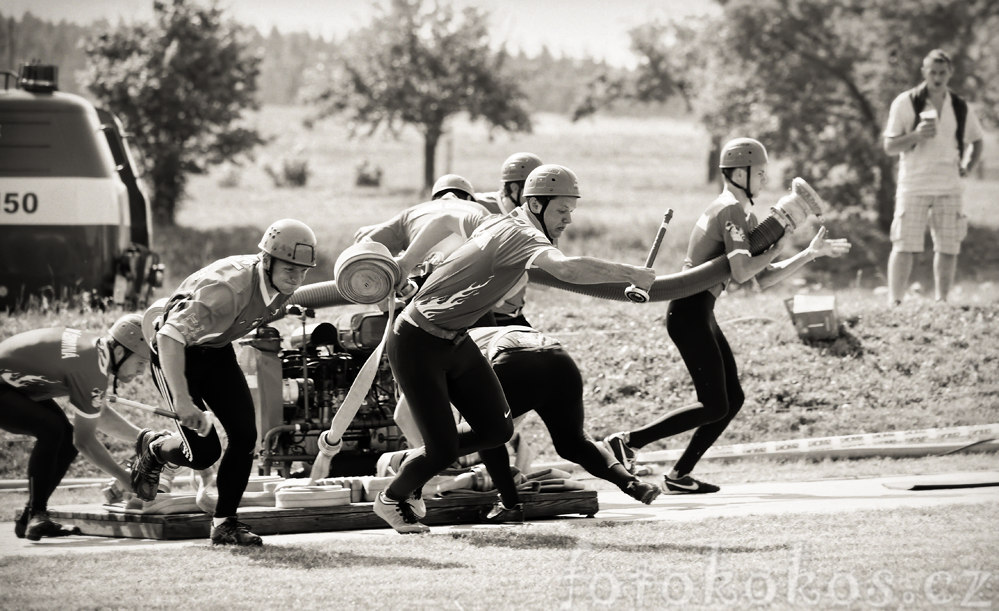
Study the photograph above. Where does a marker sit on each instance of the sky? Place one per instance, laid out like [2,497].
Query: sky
[573,28]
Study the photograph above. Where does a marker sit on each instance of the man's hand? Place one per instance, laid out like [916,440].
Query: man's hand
[926,130]
[192,417]
[642,277]
[822,247]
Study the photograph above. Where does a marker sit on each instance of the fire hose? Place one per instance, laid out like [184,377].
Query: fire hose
[786,215]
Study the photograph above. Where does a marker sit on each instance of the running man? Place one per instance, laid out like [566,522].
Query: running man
[722,229]
[436,366]
[537,374]
[195,368]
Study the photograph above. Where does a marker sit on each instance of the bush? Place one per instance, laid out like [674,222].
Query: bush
[294,173]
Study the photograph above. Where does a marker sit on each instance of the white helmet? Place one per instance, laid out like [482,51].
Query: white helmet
[290,240]
[551,180]
[519,166]
[127,331]
[450,182]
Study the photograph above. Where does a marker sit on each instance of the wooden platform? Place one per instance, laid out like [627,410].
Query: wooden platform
[95,520]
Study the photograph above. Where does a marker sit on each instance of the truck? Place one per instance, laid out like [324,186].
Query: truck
[75,222]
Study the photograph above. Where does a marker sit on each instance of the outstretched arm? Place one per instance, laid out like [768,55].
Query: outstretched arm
[590,270]
[819,247]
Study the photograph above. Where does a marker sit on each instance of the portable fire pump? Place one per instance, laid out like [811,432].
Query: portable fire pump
[298,390]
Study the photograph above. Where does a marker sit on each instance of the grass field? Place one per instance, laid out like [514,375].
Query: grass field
[906,558]
[922,365]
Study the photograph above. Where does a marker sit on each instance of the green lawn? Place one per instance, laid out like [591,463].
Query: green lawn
[912,558]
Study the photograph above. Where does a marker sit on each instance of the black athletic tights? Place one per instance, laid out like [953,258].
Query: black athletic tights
[215,380]
[548,381]
[692,327]
[53,451]
[434,373]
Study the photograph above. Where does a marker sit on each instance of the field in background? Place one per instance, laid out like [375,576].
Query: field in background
[922,365]
[630,171]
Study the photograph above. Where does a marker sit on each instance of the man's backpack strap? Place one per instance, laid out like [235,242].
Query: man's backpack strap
[918,96]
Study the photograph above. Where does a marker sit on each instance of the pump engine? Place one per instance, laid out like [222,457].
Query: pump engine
[298,390]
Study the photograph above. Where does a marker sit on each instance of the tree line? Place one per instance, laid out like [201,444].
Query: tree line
[813,79]
[552,83]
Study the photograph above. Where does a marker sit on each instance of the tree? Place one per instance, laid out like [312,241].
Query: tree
[421,65]
[180,85]
[814,79]
[826,73]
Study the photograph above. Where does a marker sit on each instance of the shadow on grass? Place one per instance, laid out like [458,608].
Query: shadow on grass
[516,539]
[845,345]
[294,557]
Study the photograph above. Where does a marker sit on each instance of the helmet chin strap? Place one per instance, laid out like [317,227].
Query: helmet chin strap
[541,218]
[270,271]
[745,187]
[115,365]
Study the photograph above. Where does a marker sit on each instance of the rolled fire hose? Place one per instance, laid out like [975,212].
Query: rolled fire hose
[786,215]
[366,273]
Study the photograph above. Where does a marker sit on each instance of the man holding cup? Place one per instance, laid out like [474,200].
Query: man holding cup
[939,139]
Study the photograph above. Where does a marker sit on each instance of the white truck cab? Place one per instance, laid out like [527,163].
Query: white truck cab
[74,218]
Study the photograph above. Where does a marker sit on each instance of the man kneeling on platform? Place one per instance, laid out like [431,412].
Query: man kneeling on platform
[38,366]
[537,374]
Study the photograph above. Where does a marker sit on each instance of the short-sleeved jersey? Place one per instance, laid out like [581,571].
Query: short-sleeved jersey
[931,167]
[495,202]
[398,232]
[494,340]
[221,303]
[491,266]
[57,362]
[722,229]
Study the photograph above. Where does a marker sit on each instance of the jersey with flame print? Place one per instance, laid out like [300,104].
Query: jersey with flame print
[484,271]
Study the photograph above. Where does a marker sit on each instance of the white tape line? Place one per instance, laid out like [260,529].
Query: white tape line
[820,444]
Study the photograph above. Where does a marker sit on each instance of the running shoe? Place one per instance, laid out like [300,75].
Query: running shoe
[642,491]
[687,485]
[500,514]
[234,532]
[146,467]
[40,525]
[399,515]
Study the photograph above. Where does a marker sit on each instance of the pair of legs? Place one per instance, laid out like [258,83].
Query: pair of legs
[53,451]
[948,227]
[692,327]
[214,380]
[435,373]
[547,381]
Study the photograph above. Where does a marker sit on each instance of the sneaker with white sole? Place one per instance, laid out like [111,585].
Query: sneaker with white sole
[234,532]
[642,491]
[618,446]
[501,514]
[40,525]
[687,485]
[399,515]
[145,472]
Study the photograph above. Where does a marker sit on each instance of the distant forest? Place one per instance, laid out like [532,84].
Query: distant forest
[552,84]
